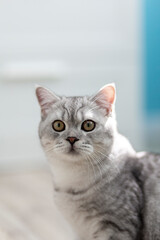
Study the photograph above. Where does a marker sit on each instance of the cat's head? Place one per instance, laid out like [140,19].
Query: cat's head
[77,128]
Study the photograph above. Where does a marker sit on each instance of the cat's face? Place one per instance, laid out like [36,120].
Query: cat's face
[76,128]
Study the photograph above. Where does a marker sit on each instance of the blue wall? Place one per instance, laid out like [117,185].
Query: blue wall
[152,57]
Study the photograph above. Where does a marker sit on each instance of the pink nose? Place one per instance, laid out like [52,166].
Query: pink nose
[72,140]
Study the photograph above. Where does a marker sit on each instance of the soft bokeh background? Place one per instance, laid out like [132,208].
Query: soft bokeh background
[74,48]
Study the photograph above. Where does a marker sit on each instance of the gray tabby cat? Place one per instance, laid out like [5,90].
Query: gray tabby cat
[104,189]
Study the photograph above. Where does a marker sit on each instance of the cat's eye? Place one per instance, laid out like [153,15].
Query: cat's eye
[58,126]
[88,125]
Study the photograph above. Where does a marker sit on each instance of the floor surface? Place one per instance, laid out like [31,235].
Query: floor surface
[27,210]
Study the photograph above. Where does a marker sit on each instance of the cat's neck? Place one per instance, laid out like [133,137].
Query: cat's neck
[80,175]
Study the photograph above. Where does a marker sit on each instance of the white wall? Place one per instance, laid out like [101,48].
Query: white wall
[92,42]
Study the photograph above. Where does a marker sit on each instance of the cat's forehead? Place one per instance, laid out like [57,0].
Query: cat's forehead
[73,103]
[75,108]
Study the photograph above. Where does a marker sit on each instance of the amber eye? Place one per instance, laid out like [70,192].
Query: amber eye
[88,125]
[58,126]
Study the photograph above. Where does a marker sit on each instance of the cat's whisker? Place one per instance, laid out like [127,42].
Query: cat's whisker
[98,146]
[105,150]
[48,149]
[88,169]
[92,167]
[99,163]
[58,146]
[111,160]
[108,156]
[109,175]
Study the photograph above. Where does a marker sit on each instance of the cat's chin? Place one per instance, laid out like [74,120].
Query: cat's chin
[73,152]
[72,156]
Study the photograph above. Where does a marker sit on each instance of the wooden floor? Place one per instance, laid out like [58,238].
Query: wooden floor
[27,210]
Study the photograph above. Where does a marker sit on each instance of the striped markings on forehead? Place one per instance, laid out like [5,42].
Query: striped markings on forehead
[76,109]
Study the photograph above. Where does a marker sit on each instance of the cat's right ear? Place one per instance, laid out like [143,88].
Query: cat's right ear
[106,97]
[45,99]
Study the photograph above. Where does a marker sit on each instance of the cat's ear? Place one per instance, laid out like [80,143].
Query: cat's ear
[106,97]
[45,99]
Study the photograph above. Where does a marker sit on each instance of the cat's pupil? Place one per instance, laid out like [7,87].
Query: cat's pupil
[88,125]
[58,125]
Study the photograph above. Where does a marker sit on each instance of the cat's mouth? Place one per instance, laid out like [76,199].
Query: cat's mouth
[73,151]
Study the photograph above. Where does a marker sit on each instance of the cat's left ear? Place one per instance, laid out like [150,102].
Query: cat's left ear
[106,97]
[45,98]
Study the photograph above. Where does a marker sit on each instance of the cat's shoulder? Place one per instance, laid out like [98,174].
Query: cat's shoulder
[142,165]
[148,156]
[148,163]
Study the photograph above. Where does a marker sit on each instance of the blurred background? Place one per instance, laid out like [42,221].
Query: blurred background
[74,48]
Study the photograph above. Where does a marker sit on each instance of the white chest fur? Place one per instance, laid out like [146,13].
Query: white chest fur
[70,204]
[70,207]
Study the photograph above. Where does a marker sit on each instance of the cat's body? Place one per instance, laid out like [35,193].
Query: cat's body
[103,188]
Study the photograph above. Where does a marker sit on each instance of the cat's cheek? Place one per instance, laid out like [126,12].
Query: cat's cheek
[45,142]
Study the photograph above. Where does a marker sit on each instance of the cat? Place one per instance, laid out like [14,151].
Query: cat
[103,188]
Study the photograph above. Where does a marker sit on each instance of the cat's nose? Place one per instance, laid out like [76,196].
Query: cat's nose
[72,140]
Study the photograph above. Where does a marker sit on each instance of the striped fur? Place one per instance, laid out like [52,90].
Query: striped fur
[104,189]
